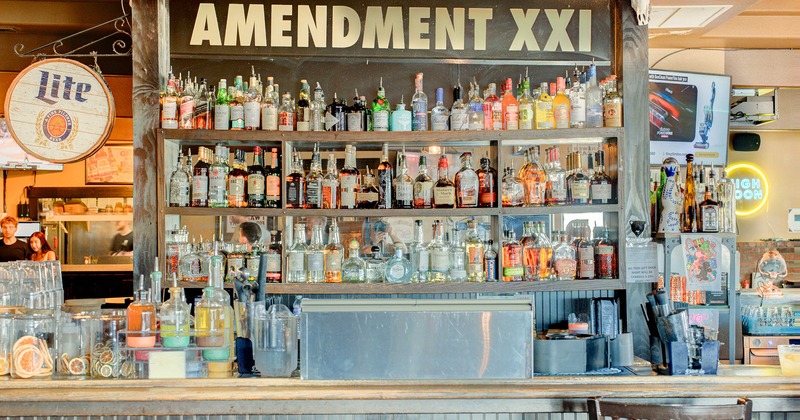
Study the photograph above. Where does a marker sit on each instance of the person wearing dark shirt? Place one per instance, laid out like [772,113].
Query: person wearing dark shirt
[122,245]
[11,248]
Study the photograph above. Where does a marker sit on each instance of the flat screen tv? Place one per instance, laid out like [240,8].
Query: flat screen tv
[689,114]
[14,157]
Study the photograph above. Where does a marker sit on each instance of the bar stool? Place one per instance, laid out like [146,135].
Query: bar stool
[599,409]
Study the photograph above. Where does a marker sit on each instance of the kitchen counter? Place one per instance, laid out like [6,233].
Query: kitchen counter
[769,391]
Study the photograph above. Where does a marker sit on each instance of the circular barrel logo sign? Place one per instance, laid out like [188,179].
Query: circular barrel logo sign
[59,110]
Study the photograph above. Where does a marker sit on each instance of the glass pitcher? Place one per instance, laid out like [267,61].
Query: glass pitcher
[274,336]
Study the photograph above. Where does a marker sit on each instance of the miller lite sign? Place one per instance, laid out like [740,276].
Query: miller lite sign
[59,110]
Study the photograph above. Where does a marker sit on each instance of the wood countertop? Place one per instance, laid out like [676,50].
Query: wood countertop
[294,396]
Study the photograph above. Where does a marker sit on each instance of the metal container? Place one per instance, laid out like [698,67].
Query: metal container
[417,339]
[573,354]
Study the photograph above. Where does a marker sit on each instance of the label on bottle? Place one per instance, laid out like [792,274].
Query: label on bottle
[255,184]
[404,191]
[577,112]
[236,192]
[491,270]
[420,120]
[179,193]
[333,262]
[401,121]
[440,261]
[269,118]
[273,187]
[187,114]
[354,121]
[526,116]
[329,194]
[217,178]
[586,262]
[513,272]
[237,117]
[558,194]
[169,115]
[200,187]
[439,121]
[368,197]
[273,263]
[222,117]
[252,115]
[594,115]
[459,119]
[710,218]
[296,261]
[468,196]
[424,260]
[235,263]
[512,117]
[303,119]
[474,259]
[561,115]
[580,190]
[252,264]
[544,115]
[396,271]
[424,194]
[316,261]
[349,182]
[285,121]
[294,192]
[352,275]
[566,268]
[314,193]
[497,116]
[612,114]
[601,191]
[380,120]
[348,199]
[444,196]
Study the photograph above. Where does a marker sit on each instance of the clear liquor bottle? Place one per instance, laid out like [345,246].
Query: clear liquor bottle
[237,180]
[594,100]
[202,110]
[218,178]
[385,179]
[418,254]
[561,106]
[286,114]
[190,267]
[556,190]
[490,261]
[186,111]
[222,109]
[314,181]
[368,193]
[458,258]
[237,104]
[179,185]
[295,185]
[330,185]
[303,112]
[534,179]
[348,179]
[315,256]
[602,186]
[403,187]
[318,109]
[512,259]
[440,115]
[169,104]
[357,115]
[354,269]
[510,108]
[419,107]
[512,189]
[200,179]
[474,253]
[444,191]
[467,183]
[476,117]
[612,104]
[380,110]
[272,183]
[273,260]
[252,103]
[334,255]
[564,262]
[398,268]
[544,115]
[423,186]
[726,195]
[526,107]
[579,183]
[459,112]
[256,180]
[269,108]
[577,102]
[376,267]
[492,109]
[296,256]
[439,252]
[487,181]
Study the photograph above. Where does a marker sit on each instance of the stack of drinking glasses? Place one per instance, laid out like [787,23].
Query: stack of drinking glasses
[31,285]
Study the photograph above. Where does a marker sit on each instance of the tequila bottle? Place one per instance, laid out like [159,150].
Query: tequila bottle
[376,267]
[556,189]
[577,103]
[368,193]
[380,110]
[200,179]
[475,113]
[330,185]
[222,109]
[510,108]
[474,252]
[458,263]
[512,259]
[272,186]
[403,187]
[315,256]
[564,261]
[256,180]
[303,111]
[252,103]
[218,178]
[273,260]
[179,184]
[487,181]
[237,180]
[385,180]
[440,115]
[314,181]
[459,112]
[594,100]
[534,179]
[561,106]
[492,109]
[296,256]
[526,107]
[401,118]
[334,255]
[269,108]
[602,189]
[237,104]
[490,261]
[348,179]
[286,114]
[612,104]
[423,186]
[354,268]
[295,185]
[467,183]
[318,110]
[398,268]
[418,253]
[439,252]
[419,107]
[444,191]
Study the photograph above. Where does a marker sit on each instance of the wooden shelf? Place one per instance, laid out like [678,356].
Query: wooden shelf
[100,217]
[568,209]
[223,211]
[416,288]
[193,284]
[477,211]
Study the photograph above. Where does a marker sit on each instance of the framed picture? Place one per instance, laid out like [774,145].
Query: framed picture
[110,165]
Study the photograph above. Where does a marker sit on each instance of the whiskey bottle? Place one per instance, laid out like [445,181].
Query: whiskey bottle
[544,248]
[556,190]
[179,185]
[534,179]
[385,179]
[269,109]
[334,255]
[348,179]
[237,104]
[218,178]
[200,179]
[186,111]
[440,115]
[273,251]
[474,252]
[315,256]
[256,180]
[419,107]
[689,214]
[318,109]
[330,185]
[286,115]
[252,103]
[368,194]
[403,187]
[510,108]
[237,180]
[202,110]
[354,269]
[439,252]
[487,180]
[612,104]
[295,185]
[444,191]
[467,183]
[459,115]
[296,256]
[314,181]
[602,187]
[303,112]
[272,183]
[564,261]
[380,110]
[512,259]
[492,109]
[423,186]
[708,214]
[585,252]
[512,189]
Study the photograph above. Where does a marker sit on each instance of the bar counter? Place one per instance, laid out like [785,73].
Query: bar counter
[769,391]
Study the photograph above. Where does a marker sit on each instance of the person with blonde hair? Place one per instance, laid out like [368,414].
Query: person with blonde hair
[11,248]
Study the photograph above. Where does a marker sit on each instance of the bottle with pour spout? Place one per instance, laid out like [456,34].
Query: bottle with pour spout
[175,318]
[141,317]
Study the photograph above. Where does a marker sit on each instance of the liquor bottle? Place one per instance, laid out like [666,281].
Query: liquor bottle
[169,104]
[444,191]
[238,180]
[534,179]
[375,266]
[726,196]
[272,182]
[475,114]
[336,115]
[252,261]
[577,103]
[490,262]
[357,115]
[256,180]
[602,186]
[605,255]
[440,115]
[458,261]
[348,179]
[236,258]
[561,106]
[295,185]
[708,213]
[218,178]
[400,119]
[492,109]
[594,100]
[334,255]
[418,254]
[314,181]
[530,255]
[544,248]
[141,318]
[544,114]
[579,184]
[380,110]
[459,112]
[368,194]
[467,183]
[354,269]
[222,110]
[296,256]
[174,318]
[318,109]
[200,179]
[423,186]
[398,268]
[510,108]
[419,107]
[252,103]
[556,189]
[237,104]
[585,252]
[202,110]
[564,261]
[269,108]
[526,107]
[315,256]
[439,253]
[512,259]
[474,253]
[487,178]
[179,185]
[286,115]
[403,187]
[689,214]
[612,104]
[330,185]
[186,110]
[273,260]
[385,179]
[512,189]
[303,112]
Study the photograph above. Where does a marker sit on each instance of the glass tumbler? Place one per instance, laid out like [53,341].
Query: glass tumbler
[108,358]
[75,334]
[33,348]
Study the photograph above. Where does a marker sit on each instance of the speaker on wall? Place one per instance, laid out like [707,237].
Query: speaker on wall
[746,142]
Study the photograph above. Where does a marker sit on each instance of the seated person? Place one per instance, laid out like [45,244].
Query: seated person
[11,248]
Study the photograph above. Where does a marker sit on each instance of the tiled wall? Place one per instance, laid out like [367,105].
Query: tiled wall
[751,252]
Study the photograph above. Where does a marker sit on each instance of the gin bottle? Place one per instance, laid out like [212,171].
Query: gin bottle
[179,183]
[237,104]
[357,115]
[440,116]
[200,179]
[419,107]
[380,110]
[376,268]
[252,103]
[403,187]
[423,186]
[334,255]
[318,110]
[474,252]
[222,110]
[401,118]
[315,256]
[296,256]
[459,115]
[418,252]
[385,180]
[354,268]
[398,268]
[336,115]
[439,267]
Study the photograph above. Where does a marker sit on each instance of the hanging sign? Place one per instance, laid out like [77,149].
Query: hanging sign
[483,30]
[59,110]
